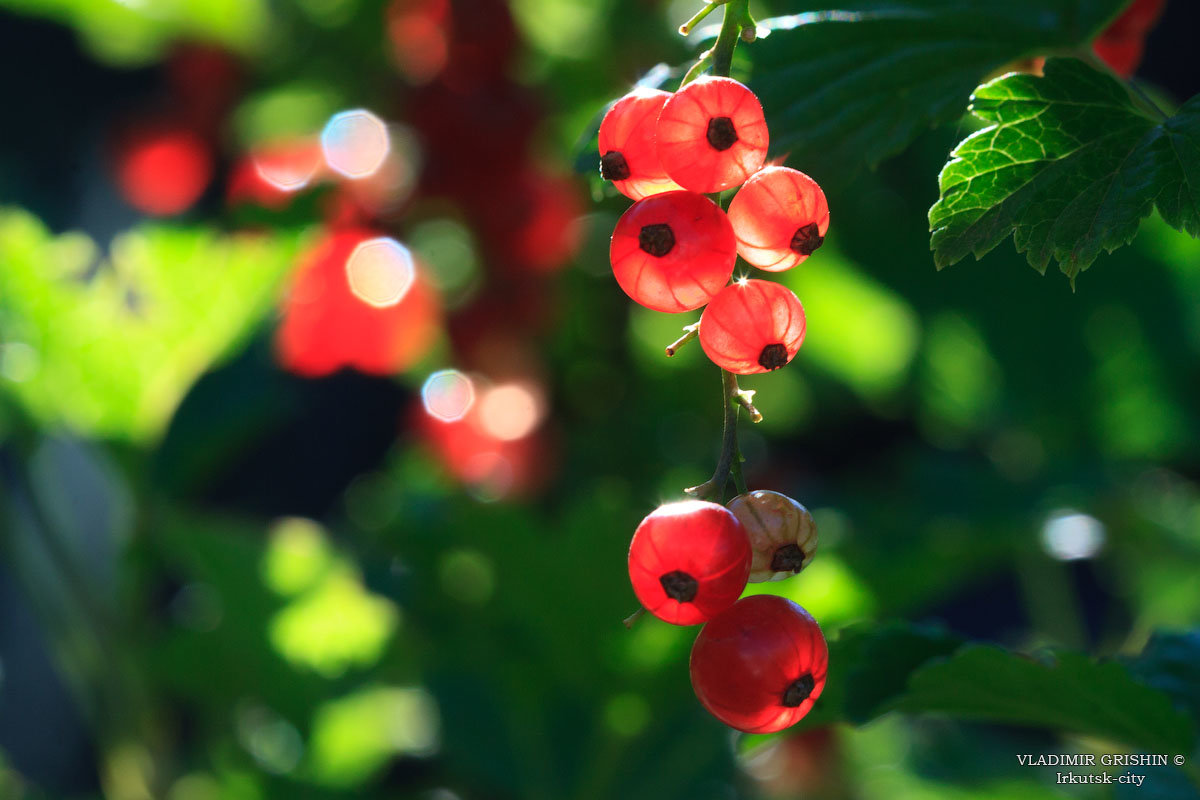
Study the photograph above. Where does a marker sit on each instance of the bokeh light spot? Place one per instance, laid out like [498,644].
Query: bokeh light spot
[468,576]
[448,395]
[510,411]
[354,736]
[355,143]
[289,168]
[1070,536]
[380,272]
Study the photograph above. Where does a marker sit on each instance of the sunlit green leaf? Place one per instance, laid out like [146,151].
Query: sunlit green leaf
[845,88]
[109,347]
[1068,165]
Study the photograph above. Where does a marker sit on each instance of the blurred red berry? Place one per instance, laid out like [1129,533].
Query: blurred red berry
[337,316]
[1137,19]
[672,252]
[689,561]
[760,665]
[1122,43]
[712,135]
[752,326]
[628,153]
[779,217]
[162,168]
[420,32]
[1123,54]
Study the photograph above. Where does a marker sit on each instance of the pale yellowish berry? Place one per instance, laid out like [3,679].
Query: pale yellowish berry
[783,535]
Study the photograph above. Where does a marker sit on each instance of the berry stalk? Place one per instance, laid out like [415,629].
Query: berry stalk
[729,463]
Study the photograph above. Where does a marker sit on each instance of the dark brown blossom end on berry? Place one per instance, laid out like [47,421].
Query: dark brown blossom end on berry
[679,586]
[721,133]
[613,166]
[807,239]
[773,356]
[798,690]
[789,558]
[657,240]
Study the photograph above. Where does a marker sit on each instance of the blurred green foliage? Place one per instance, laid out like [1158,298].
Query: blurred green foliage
[416,641]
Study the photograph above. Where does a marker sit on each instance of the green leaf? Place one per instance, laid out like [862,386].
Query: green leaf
[1069,166]
[1171,662]
[845,89]
[1069,692]
[109,347]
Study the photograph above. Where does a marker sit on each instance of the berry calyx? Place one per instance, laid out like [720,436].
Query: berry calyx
[752,326]
[712,135]
[657,240]
[759,666]
[628,153]
[688,561]
[782,533]
[721,134]
[672,252]
[614,167]
[779,217]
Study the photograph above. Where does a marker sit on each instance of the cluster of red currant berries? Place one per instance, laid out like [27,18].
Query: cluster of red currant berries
[674,250]
[759,663]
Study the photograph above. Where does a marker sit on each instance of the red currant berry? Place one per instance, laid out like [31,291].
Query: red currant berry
[752,326]
[1122,53]
[688,561]
[760,665]
[712,135]
[782,533]
[628,155]
[779,217]
[672,252]
[1137,19]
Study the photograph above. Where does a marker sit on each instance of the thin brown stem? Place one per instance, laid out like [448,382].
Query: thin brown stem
[689,333]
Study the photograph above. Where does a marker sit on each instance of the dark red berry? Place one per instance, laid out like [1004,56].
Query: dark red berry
[688,561]
[759,666]
[752,326]
[712,135]
[672,252]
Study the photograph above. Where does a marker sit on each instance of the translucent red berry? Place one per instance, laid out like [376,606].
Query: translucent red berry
[672,252]
[357,301]
[712,135]
[628,155]
[760,665]
[783,535]
[688,561]
[779,218]
[752,326]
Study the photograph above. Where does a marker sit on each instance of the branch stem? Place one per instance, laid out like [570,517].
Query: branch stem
[689,333]
[737,13]
[730,461]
